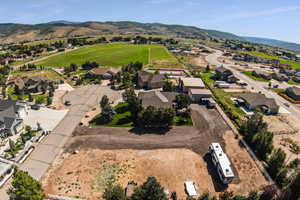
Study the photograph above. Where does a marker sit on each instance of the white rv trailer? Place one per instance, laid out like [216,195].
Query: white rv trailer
[221,162]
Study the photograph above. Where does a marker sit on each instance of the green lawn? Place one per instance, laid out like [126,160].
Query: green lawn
[181,121]
[116,54]
[121,119]
[42,97]
[207,77]
[249,74]
[295,65]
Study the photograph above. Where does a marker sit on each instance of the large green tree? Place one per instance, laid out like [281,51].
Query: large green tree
[263,143]
[114,193]
[24,187]
[150,190]
[295,188]
[104,101]
[182,101]
[134,103]
[276,165]
[168,86]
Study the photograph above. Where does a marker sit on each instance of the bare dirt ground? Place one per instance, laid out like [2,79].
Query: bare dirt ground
[285,124]
[199,61]
[280,124]
[173,156]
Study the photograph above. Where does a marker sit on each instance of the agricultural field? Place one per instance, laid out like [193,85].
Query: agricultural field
[116,54]
[294,65]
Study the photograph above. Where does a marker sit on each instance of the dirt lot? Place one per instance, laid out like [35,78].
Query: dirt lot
[285,124]
[199,61]
[173,157]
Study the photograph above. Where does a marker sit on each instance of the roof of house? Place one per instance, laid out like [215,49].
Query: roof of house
[192,82]
[104,70]
[257,99]
[222,69]
[200,91]
[157,99]
[8,110]
[150,77]
[294,90]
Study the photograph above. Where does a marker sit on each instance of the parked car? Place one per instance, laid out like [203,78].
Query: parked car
[68,103]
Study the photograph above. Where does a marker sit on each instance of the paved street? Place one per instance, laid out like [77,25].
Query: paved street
[82,99]
[258,86]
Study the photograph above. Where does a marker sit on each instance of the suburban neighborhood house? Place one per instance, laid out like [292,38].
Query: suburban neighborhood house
[253,101]
[11,117]
[293,92]
[223,74]
[157,99]
[148,80]
[34,84]
[190,83]
[197,95]
[103,72]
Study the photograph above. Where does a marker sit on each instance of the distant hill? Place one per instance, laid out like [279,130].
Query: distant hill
[23,32]
[276,43]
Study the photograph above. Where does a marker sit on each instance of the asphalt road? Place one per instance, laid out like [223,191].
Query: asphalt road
[257,86]
[83,100]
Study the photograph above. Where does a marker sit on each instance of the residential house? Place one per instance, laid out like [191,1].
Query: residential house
[287,72]
[223,74]
[198,95]
[103,72]
[293,92]
[262,74]
[34,84]
[158,99]
[253,101]
[188,83]
[11,117]
[149,80]
[280,77]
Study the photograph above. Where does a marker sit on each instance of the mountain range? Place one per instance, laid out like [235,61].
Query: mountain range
[10,32]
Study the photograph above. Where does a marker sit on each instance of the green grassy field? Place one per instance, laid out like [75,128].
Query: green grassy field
[295,65]
[117,54]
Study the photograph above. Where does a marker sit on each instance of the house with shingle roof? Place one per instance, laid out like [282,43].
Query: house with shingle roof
[148,80]
[104,72]
[158,99]
[11,117]
[293,92]
[33,84]
[253,101]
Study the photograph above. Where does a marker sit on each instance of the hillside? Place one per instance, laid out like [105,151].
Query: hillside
[276,43]
[22,32]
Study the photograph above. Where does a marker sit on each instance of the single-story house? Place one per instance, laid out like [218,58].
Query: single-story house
[197,95]
[253,101]
[157,99]
[191,83]
[103,72]
[293,92]
[11,117]
[149,80]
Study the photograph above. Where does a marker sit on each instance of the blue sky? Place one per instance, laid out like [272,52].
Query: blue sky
[277,19]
